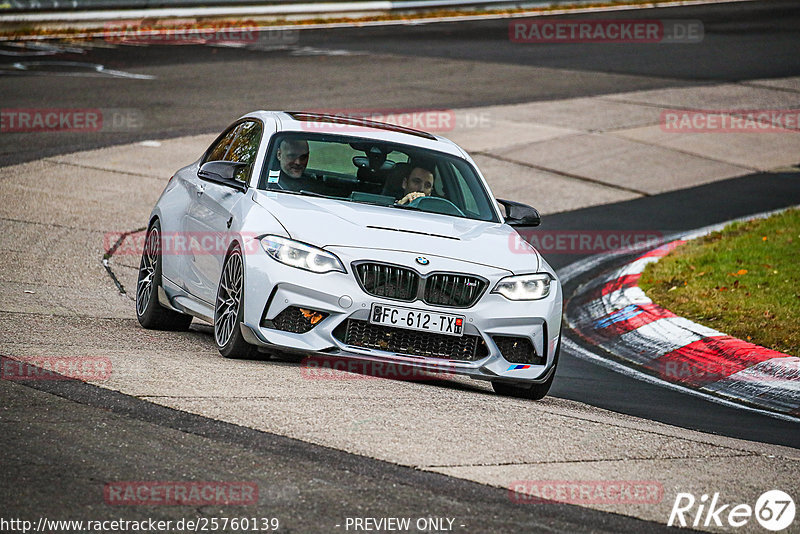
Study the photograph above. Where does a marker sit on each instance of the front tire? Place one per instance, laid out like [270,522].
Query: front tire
[229,309]
[528,391]
[150,313]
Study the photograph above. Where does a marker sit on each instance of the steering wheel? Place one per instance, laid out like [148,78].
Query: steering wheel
[436,205]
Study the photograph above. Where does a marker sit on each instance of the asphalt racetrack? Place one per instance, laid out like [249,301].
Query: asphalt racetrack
[63,440]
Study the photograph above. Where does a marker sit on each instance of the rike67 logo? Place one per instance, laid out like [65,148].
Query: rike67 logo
[774,510]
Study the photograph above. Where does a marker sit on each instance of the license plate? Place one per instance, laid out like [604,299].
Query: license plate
[411,319]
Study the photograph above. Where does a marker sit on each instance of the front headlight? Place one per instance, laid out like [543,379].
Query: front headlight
[524,287]
[300,255]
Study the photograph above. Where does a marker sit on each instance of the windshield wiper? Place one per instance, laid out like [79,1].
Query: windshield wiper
[302,193]
[406,207]
[368,202]
[415,208]
[313,194]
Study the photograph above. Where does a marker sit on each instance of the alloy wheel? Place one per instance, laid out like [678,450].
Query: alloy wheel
[229,298]
[147,270]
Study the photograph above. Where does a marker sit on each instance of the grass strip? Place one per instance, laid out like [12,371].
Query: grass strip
[743,281]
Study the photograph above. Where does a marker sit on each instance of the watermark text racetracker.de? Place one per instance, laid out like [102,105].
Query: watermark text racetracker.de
[557,31]
[23,368]
[582,241]
[190,32]
[696,369]
[180,243]
[521,242]
[179,493]
[37,120]
[583,492]
[428,120]
[330,368]
[196,524]
[730,120]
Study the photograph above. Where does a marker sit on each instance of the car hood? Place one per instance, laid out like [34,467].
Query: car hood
[331,223]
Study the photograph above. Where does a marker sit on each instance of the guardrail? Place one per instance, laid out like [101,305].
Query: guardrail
[273,7]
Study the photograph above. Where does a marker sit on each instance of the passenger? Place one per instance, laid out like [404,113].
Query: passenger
[418,183]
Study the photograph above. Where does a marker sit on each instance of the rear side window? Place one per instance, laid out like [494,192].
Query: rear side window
[245,145]
[240,144]
[218,151]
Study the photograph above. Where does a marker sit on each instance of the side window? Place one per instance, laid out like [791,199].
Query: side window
[245,147]
[218,151]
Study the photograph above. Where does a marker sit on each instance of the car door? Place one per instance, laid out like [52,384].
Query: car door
[175,202]
[209,218]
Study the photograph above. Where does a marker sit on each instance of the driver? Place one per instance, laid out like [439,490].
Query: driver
[292,156]
[418,183]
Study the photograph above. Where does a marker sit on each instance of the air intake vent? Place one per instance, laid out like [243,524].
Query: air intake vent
[517,350]
[295,320]
[398,340]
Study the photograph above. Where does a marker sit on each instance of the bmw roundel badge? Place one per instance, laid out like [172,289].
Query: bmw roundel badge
[422,260]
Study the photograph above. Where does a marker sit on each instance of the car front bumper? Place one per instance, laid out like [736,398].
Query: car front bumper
[271,287]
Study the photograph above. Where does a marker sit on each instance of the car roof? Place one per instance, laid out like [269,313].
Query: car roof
[309,122]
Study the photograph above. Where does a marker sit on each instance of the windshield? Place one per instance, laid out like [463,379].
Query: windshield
[375,172]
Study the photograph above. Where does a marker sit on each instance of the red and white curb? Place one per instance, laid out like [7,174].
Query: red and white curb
[613,313]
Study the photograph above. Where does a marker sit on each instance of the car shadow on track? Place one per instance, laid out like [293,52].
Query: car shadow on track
[328,368]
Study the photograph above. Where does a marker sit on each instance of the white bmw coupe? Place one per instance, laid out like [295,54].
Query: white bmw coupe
[303,233]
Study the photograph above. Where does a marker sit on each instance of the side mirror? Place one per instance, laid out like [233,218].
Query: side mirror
[518,214]
[223,173]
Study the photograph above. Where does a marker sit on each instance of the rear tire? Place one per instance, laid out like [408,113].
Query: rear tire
[528,391]
[229,309]
[150,313]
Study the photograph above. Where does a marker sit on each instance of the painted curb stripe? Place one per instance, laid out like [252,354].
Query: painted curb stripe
[628,280]
[623,297]
[774,382]
[783,373]
[637,267]
[663,336]
[710,359]
[614,313]
[636,316]
[663,250]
